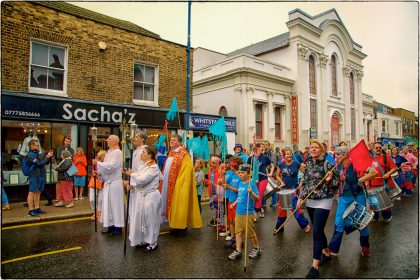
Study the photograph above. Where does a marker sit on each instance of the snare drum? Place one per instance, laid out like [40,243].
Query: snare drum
[357,215]
[379,199]
[270,190]
[286,198]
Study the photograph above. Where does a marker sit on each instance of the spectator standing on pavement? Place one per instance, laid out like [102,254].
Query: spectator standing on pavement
[239,152]
[64,147]
[4,200]
[64,181]
[80,161]
[213,178]
[113,194]
[37,176]
[99,192]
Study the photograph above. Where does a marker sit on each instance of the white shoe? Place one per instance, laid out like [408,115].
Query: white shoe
[224,233]
[228,238]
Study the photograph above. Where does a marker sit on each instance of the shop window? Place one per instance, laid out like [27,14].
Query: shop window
[258,121]
[145,85]
[15,137]
[47,69]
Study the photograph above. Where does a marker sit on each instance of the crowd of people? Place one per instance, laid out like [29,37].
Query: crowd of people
[291,179]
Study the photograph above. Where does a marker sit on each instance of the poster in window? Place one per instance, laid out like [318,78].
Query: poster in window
[13,179]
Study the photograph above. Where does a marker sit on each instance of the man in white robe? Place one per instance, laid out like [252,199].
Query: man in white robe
[109,172]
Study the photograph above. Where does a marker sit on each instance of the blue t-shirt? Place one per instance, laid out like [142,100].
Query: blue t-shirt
[233,181]
[263,162]
[290,173]
[229,175]
[213,191]
[242,196]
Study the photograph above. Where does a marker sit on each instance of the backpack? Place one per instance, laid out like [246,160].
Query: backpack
[27,167]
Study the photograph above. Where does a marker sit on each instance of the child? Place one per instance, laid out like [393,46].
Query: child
[99,185]
[199,178]
[232,182]
[219,199]
[247,196]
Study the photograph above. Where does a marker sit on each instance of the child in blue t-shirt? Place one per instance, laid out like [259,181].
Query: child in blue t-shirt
[247,196]
[232,182]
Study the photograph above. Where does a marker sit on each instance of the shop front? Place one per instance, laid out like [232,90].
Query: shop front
[49,119]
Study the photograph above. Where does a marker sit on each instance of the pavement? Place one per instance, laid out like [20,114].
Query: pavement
[18,213]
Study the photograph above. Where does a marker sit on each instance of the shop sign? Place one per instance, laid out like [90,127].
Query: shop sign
[295,138]
[203,122]
[19,106]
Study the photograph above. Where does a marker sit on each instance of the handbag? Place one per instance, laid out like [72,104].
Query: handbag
[72,170]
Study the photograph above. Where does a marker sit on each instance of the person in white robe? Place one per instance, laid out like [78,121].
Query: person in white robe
[109,171]
[139,141]
[145,217]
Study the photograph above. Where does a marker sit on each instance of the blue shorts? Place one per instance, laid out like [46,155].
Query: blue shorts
[36,184]
[79,181]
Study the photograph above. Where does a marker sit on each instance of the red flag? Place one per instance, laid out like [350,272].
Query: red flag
[360,157]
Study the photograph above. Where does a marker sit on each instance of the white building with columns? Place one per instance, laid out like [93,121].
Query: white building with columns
[316,65]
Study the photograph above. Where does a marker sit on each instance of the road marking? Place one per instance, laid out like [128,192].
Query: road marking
[40,255]
[45,223]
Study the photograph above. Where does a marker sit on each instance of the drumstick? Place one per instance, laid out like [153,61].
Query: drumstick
[297,208]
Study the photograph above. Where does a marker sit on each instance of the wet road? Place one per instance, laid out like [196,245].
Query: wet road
[394,252]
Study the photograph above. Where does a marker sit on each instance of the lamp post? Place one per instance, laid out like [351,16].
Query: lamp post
[94,139]
[133,128]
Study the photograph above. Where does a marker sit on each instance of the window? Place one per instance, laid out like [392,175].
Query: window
[312,81]
[333,76]
[353,123]
[277,123]
[313,114]
[145,84]
[397,128]
[48,68]
[351,88]
[223,111]
[259,121]
[384,126]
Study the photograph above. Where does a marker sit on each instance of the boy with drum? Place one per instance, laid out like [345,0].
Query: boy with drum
[351,189]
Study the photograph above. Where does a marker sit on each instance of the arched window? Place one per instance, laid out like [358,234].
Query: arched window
[333,76]
[223,111]
[351,88]
[312,80]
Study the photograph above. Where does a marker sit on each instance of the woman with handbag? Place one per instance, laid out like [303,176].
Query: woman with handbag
[65,180]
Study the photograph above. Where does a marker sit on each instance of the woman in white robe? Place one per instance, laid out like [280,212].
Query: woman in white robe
[144,220]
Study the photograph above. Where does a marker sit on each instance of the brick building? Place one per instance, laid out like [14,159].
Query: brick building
[65,69]
[409,125]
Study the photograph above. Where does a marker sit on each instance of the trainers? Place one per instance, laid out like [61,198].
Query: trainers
[33,213]
[39,211]
[228,238]
[213,223]
[235,255]
[221,228]
[313,273]
[365,251]
[224,233]
[75,199]
[59,204]
[255,253]
[333,253]
[69,205]
[273,205]
[261,214]
[324,259]
[388,220]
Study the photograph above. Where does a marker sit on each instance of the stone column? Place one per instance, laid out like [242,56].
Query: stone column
[346,100]
[324,130]
[288,121]
[270,118]
[250,122]
[358,102]
[240,99]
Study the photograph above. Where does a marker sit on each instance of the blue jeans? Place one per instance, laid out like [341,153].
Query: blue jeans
[340,226]
[318,218]
[4,199]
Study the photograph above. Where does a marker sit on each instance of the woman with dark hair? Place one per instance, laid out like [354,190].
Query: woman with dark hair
[319,202]
[145,217]
[64,181]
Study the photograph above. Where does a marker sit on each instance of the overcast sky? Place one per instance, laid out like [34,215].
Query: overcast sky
[387,31]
